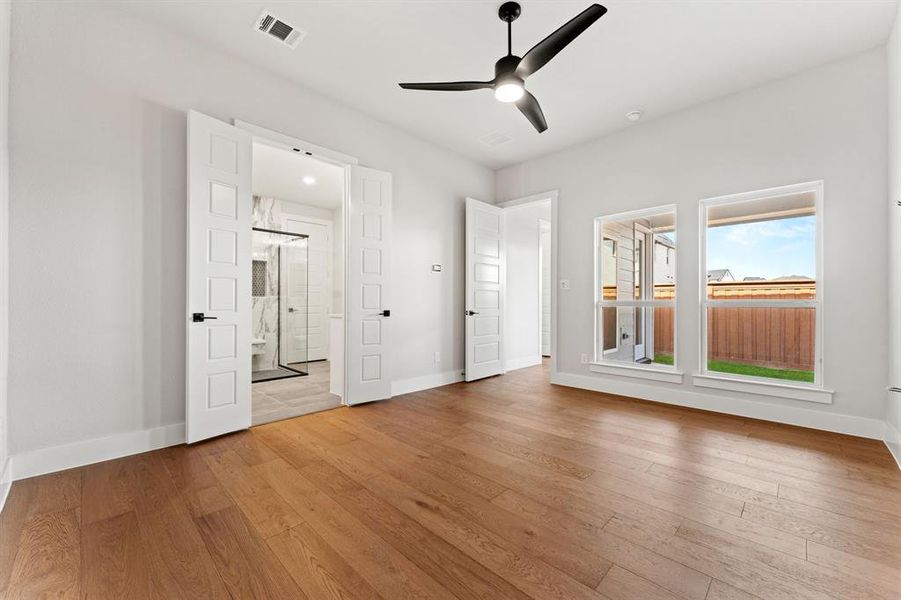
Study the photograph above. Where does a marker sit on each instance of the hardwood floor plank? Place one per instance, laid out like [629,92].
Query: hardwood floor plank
[807,573]
[665,573]
[175,554]
[858,545]
[748,576]
[530,575]
[385,568]
[460,574]
[723,591]
[113,559]
[268,512]
[620,584]
[886,577]
[48,558]
[545,544]
[247,566]
[13,519]
[316,568]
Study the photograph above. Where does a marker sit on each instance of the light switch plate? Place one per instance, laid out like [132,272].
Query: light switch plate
[564,284]
[436,268]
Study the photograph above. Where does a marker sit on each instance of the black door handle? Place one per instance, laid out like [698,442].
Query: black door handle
[385,313]
[200,318]
[469,313]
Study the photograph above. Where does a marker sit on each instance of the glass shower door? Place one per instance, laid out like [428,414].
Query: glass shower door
[295,301]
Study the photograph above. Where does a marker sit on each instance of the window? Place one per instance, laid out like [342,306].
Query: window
[636,288]
[761,301]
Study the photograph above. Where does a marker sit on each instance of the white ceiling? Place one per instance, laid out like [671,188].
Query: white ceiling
[279,174]
[655,56]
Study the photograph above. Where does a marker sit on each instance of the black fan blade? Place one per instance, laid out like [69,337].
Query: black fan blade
[529,106]
[448,86]
[550,46]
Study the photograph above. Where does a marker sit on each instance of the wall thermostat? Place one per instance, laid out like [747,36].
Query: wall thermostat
[436,268]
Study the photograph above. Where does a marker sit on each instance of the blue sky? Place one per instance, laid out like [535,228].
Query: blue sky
[767,249]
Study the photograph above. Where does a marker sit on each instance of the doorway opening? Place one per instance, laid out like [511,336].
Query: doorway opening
[527,331]
[510,294]
[298,283]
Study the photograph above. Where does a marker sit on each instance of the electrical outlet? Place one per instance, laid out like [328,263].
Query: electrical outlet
[564,284]
[584,359]
[437,357]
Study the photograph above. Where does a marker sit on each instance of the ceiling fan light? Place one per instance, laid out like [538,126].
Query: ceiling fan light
[510,91]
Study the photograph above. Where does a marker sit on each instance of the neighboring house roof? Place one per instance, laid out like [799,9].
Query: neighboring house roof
[720,275]
[754,279]
[792,278]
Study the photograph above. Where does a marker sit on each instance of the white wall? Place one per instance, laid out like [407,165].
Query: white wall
[827,123]
[893,404]
[98,217]
[522,325]
[5,7]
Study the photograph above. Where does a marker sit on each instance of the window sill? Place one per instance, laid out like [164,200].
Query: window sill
[668,375]
[790,391]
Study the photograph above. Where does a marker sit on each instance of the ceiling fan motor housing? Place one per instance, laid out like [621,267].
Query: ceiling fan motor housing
[509,11]
[505,66]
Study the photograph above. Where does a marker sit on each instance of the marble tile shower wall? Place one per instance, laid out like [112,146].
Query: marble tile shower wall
[266,214]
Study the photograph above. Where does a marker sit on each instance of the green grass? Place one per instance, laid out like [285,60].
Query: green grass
[721,366]
[664,359]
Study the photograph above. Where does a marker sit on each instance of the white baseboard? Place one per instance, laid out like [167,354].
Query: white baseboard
[893,442]
[425,382]
[86,452]
[6,482]
[790,415]
[523,362]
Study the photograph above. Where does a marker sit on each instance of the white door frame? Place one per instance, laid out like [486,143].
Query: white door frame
[534,199]
[286,142]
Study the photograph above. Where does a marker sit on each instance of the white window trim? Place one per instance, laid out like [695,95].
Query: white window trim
[763,387]
[670,374]
[652,371]
[814,392]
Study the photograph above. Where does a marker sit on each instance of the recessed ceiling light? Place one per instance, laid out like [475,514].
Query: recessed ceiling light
[634,115]
[309,179]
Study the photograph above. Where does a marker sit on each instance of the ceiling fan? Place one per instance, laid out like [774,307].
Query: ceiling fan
[510,72]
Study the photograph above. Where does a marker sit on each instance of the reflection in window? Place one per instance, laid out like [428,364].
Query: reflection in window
[636,299]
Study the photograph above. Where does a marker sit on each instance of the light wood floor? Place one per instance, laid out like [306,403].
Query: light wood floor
[506,488]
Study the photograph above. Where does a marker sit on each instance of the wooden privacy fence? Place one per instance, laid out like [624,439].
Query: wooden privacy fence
[782,338]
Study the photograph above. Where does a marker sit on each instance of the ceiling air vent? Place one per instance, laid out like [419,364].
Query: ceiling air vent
[495,138]
[287,34]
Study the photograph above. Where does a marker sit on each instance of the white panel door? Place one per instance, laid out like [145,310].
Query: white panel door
[307,306]
[484,289]
[368,331]
[218,298]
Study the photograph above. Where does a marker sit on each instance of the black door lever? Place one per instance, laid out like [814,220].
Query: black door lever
[385,313]
[470,313]
[200,318]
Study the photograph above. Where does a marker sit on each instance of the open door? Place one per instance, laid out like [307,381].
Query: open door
[484,289]
[368,372]
[219,316]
